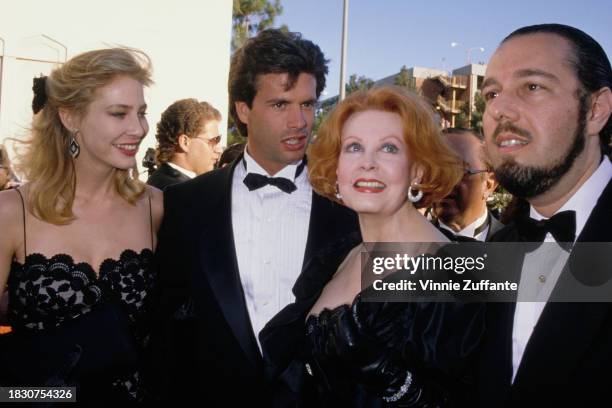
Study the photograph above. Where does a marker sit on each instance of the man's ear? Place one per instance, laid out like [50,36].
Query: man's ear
[490,184]
[243,111]
[68,119]
[600,111]
[183,143]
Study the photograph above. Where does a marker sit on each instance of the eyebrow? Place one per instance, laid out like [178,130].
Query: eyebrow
[489,81]
[535,72]
[122,106]
[523,73]
[277,100]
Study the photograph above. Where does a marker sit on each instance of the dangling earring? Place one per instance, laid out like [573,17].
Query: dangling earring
[73,146]
[338,195]
[414,198]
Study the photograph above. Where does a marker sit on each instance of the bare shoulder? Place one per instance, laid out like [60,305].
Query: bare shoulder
[11,219]
[11,209]
[157,205]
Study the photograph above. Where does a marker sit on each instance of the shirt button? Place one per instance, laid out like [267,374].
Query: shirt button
[542,278]
[269,220]
[267,262]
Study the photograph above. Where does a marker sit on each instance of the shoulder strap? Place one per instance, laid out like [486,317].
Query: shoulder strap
[23,213]
[151,222]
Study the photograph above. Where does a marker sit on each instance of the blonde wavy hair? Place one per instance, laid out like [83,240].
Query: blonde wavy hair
[442,168]
[45,160]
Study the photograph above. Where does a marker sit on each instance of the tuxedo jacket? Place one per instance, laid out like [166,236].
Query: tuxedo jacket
[166,176]
[494,226]
[568,358]
[203,347]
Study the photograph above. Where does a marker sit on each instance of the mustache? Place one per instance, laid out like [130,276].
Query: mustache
[510,128]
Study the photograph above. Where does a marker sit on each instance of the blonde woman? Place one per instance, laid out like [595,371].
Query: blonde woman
[78,238]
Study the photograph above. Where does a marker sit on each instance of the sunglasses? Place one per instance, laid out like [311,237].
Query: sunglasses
[213,141]
[470,172]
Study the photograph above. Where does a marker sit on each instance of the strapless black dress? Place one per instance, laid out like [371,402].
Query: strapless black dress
[72,327]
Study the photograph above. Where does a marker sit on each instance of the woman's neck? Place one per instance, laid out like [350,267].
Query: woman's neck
[93,183]
[405,225]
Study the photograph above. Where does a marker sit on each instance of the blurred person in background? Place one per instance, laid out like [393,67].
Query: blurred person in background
[7,177]
[188,142]
[231,153]
[464,211]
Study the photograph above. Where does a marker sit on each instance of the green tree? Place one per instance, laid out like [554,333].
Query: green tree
[478,112]
[461,120]
[404,79]
[355,83]
[322,111]
[249,17]
[252,16]
[358,83]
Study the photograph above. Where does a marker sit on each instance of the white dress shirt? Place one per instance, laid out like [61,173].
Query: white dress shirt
[270,232]
[527,314]
[470,230]
[186,172]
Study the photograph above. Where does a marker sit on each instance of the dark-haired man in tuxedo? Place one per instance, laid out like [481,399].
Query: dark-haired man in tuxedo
[547,132]
[233,241]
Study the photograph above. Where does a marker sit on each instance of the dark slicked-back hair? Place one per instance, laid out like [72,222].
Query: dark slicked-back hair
[272,51]
[589,61]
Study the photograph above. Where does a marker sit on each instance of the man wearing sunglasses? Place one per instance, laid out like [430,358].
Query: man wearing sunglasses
[188,142]
[464,211]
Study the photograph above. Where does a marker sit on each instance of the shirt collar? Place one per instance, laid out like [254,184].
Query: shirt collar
[585,198]
[471,230]
[288,172]
[186,172]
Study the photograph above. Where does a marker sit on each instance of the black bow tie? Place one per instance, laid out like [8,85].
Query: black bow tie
[255,181]
[562,226]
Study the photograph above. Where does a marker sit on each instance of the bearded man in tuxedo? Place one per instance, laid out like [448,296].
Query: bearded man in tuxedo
[547,133]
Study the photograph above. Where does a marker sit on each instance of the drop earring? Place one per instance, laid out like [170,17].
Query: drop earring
[73,146]
[338,195]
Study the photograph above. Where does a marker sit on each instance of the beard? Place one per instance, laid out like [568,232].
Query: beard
[531,181]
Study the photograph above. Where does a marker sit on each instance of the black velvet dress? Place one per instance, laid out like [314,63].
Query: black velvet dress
[433,341]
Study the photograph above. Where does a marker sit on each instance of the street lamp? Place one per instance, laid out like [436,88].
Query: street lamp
[343,52]
[468,52]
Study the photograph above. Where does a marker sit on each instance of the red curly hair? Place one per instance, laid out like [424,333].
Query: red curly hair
[442,168]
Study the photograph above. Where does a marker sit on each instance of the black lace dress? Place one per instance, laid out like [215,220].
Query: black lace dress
[72,327]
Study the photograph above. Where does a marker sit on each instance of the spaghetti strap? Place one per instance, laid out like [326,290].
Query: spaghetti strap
[151,222]
[25,252]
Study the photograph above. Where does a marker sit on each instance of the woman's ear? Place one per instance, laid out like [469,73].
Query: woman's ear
[68,119]
[417,173]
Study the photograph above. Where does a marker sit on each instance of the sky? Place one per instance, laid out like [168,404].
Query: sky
[383,35]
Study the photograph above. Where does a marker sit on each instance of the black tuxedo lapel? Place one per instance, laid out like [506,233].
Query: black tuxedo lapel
[218,257]
[565,330]
[494,226]
[171,172]
[166,176]
[323,215]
